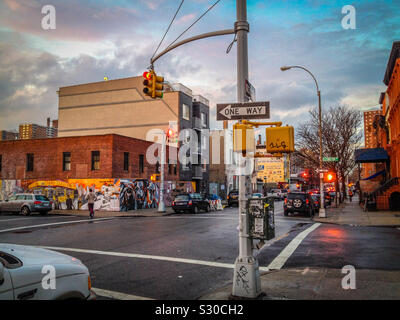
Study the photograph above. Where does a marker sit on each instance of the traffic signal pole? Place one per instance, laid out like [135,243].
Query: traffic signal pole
[161,205]
[246,279]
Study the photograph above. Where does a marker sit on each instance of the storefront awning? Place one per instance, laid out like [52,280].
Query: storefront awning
[371,155]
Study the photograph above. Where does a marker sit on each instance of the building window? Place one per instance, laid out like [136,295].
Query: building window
[175,169]
[67,161]
[95,160]
[126,161]
[1,158]
[185,112]
[203,120]
[29,162]
[170,166]
[141,163]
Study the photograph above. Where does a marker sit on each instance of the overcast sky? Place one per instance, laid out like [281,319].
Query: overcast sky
[116,38]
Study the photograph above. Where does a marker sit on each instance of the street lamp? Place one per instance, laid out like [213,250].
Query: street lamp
[322,213]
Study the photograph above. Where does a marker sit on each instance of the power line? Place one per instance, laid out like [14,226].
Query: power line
[168,29]
[194,23]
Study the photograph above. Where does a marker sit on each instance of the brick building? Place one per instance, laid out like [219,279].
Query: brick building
[370,139]
[64,168]
[384,154]
[119,106]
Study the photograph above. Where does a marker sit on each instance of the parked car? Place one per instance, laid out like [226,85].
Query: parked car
[22,274]
[25,203]
[190,202]
[299,202]
[276,194]
[233,198]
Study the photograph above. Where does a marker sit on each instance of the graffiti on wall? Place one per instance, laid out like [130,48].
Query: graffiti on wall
[111,194]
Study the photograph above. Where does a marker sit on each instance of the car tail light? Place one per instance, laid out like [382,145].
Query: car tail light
[173,203]
[307,201]
[51,202]
[285,200]
[227,197]
[190,202]
[37,202]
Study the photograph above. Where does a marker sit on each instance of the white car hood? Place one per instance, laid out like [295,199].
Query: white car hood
[37,256]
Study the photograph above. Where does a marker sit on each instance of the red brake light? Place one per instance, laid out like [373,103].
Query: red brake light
[190,202]
[285,200]
[307,201]
[173,203]
[37,202]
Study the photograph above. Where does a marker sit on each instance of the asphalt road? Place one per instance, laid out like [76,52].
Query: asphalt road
[185,256]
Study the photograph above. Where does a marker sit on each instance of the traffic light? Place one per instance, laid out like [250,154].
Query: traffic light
[280,139]
[243,138]
[329,177]
[155,177]
[153,85]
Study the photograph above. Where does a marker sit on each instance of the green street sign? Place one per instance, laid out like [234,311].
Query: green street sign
[330,159]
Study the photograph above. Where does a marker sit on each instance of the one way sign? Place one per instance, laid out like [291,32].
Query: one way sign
[247,110]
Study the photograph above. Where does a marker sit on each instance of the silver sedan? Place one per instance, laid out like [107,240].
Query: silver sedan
[25,203]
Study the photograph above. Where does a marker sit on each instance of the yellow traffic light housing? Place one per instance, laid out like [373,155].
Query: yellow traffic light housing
[243,138]
[280,139]
[155,177]
[153,85]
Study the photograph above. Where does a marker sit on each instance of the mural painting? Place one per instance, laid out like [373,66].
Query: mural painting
[111,194]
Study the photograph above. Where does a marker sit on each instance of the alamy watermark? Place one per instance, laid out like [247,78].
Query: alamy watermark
[349,20]
[349,280]
[49,20]
[49,280]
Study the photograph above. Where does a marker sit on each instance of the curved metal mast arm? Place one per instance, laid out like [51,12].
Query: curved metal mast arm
[201,36]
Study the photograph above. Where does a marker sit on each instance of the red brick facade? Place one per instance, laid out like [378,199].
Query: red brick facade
[48,158]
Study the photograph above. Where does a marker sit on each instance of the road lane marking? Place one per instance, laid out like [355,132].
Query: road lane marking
[150,257]
[117,295]
[52,224]
[4,220]
[285,254]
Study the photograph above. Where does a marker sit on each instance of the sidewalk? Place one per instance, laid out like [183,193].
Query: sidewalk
[322,284]
[351,213]
[107,214]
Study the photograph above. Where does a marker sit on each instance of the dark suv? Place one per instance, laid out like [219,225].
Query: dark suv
[190,202]
[299,202]
[233,198]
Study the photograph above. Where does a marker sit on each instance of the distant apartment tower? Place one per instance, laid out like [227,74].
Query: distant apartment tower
[32,131]
[8,135]
[369,132]
[35,131]
[52,131]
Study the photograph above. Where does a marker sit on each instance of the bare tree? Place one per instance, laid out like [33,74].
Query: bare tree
[341,135]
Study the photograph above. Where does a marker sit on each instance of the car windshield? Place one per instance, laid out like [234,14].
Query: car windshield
[41,198]
[296,196]
[182,197]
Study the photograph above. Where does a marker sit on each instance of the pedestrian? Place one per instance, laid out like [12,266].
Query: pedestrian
[350,194]
[90,197]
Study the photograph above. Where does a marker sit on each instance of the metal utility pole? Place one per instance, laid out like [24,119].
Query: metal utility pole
[322,213]
[246,280]
[161,205]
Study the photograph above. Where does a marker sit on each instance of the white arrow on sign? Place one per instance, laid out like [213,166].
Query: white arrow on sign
[230,111]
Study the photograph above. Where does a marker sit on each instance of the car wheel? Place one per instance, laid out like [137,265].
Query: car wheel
[208,208]
[25,211]
[195,210]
